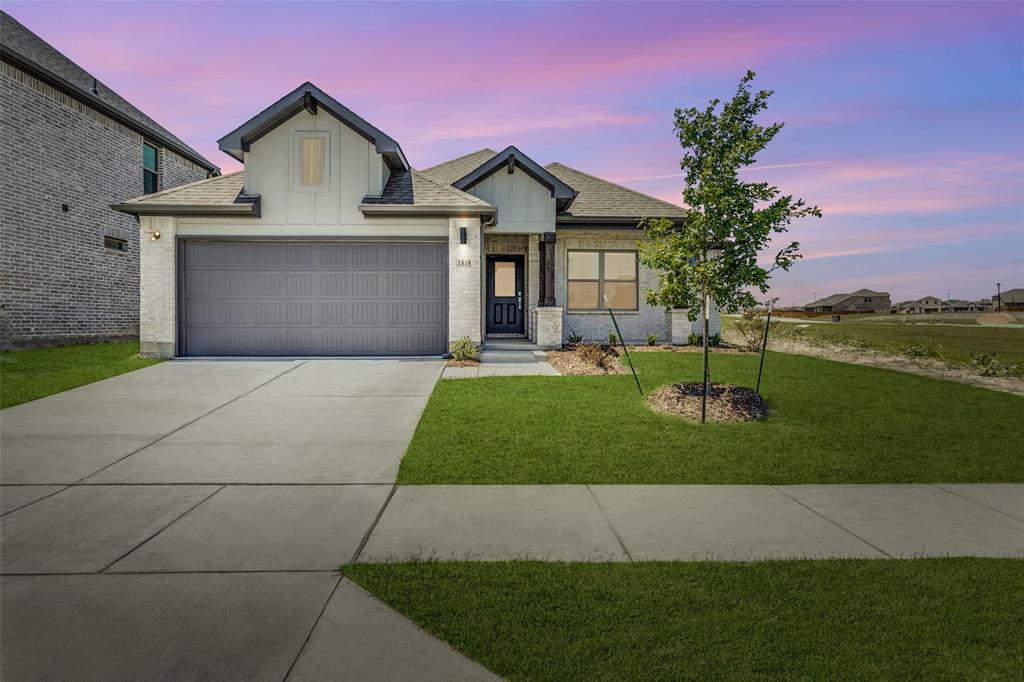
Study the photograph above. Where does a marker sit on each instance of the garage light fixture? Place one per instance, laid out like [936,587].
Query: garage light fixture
[462,235]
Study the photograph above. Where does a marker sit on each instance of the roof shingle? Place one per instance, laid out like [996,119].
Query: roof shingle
[599,198]
[413,188]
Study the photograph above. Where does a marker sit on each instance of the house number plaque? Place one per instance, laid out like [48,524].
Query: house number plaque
[463,263]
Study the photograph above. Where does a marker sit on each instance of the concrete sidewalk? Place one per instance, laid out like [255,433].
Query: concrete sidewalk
[698,522]
[505,363]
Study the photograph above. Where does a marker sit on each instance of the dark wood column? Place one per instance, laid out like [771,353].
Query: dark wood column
[547,269]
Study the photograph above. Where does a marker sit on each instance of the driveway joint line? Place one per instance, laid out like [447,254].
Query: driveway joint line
[611,526]
[373,526]
[833,522]
[161,530]
[971,499]
[44,497]
[316,622]
[188,423]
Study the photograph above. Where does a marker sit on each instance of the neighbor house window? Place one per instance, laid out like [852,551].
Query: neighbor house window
[311,161]
[596,275]
[150,172]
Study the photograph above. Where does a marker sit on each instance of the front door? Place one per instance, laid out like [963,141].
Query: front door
[505,298]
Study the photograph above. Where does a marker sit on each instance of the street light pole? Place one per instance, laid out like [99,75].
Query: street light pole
[999,297]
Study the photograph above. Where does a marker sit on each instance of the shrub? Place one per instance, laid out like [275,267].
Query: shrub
[693,339]
[592,354]
[652,339]
[714,341]
[750,328]
[465,349]
[988,365]
[926,348]
[573,338]
[613,339]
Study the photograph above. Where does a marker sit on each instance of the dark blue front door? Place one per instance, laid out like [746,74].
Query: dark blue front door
[505,295]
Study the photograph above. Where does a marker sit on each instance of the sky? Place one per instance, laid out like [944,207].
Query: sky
[904,122]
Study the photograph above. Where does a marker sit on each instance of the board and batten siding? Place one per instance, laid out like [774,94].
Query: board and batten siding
[524,205]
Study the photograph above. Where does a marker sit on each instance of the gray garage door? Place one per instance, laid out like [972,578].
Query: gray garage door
[314,298]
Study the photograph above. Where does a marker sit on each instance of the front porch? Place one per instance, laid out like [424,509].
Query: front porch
[517,290]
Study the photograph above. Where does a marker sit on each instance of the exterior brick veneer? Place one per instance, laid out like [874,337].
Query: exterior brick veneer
[59,284]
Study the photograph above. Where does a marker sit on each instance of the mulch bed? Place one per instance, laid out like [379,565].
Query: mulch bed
[462,363]
[568,362]
[726,403]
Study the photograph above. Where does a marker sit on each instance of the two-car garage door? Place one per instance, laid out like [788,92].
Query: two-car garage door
[313,298]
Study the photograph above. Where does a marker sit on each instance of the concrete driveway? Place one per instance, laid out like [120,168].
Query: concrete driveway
[187,520]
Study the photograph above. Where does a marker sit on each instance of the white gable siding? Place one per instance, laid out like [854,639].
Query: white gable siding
[355,170]
[524,205]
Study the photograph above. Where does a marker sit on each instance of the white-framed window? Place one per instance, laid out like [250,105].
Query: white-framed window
[312,165]
[593,276]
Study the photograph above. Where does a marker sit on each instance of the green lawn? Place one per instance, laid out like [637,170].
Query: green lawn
[829,422]
[952,342]
[29,374]
[923,619]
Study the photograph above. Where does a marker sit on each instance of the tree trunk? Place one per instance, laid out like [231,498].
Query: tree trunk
[707,373]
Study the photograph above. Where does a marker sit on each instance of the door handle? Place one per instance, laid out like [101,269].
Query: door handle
[519,299]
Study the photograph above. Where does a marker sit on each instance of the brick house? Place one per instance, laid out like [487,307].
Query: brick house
[69,148]
[331,243]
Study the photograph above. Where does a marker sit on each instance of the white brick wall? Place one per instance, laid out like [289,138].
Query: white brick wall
[464,280]
[157,293]
[548,326]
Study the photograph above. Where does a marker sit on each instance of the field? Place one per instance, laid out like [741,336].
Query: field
[944,340]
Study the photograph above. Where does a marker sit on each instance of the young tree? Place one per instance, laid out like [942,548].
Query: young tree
[712,255]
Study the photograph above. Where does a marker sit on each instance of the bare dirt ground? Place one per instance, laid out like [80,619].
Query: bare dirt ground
[462,363]
[922,367]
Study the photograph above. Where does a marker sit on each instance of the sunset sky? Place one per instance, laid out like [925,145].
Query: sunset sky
[904,122]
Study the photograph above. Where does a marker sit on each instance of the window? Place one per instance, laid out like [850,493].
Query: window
[150,172]
[115,244]
[594,276]
[311,167]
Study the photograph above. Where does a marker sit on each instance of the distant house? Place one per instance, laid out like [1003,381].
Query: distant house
[1011,299]
[69,147]
[926,305]
[860,301]
[956,305]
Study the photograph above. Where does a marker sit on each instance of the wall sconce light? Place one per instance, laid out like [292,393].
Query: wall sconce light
[462,235]
[154,236]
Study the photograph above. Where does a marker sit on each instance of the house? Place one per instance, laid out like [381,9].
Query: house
[1011,299]
[331,243]
[69,147]
[957,305]
[860,301]
[926,305]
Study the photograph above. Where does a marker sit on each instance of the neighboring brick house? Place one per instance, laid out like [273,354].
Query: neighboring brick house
[860,301]
[69,148]
[923,306]
[1011,299]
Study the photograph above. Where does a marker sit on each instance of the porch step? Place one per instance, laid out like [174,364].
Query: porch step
[509,344]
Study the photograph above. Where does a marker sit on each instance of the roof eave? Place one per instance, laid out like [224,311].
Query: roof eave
[47,76]
[408,209]
[246,206]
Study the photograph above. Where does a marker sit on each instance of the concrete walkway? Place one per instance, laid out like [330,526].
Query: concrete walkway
[504,363]
[187,521]
[698,522]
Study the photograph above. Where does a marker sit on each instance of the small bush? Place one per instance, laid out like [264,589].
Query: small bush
[465,349]
[988,365]
[613,339]
[592,354]
[750,328]
[693,339]
[714,341]
[573,338]
[926,348]
[652,339]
